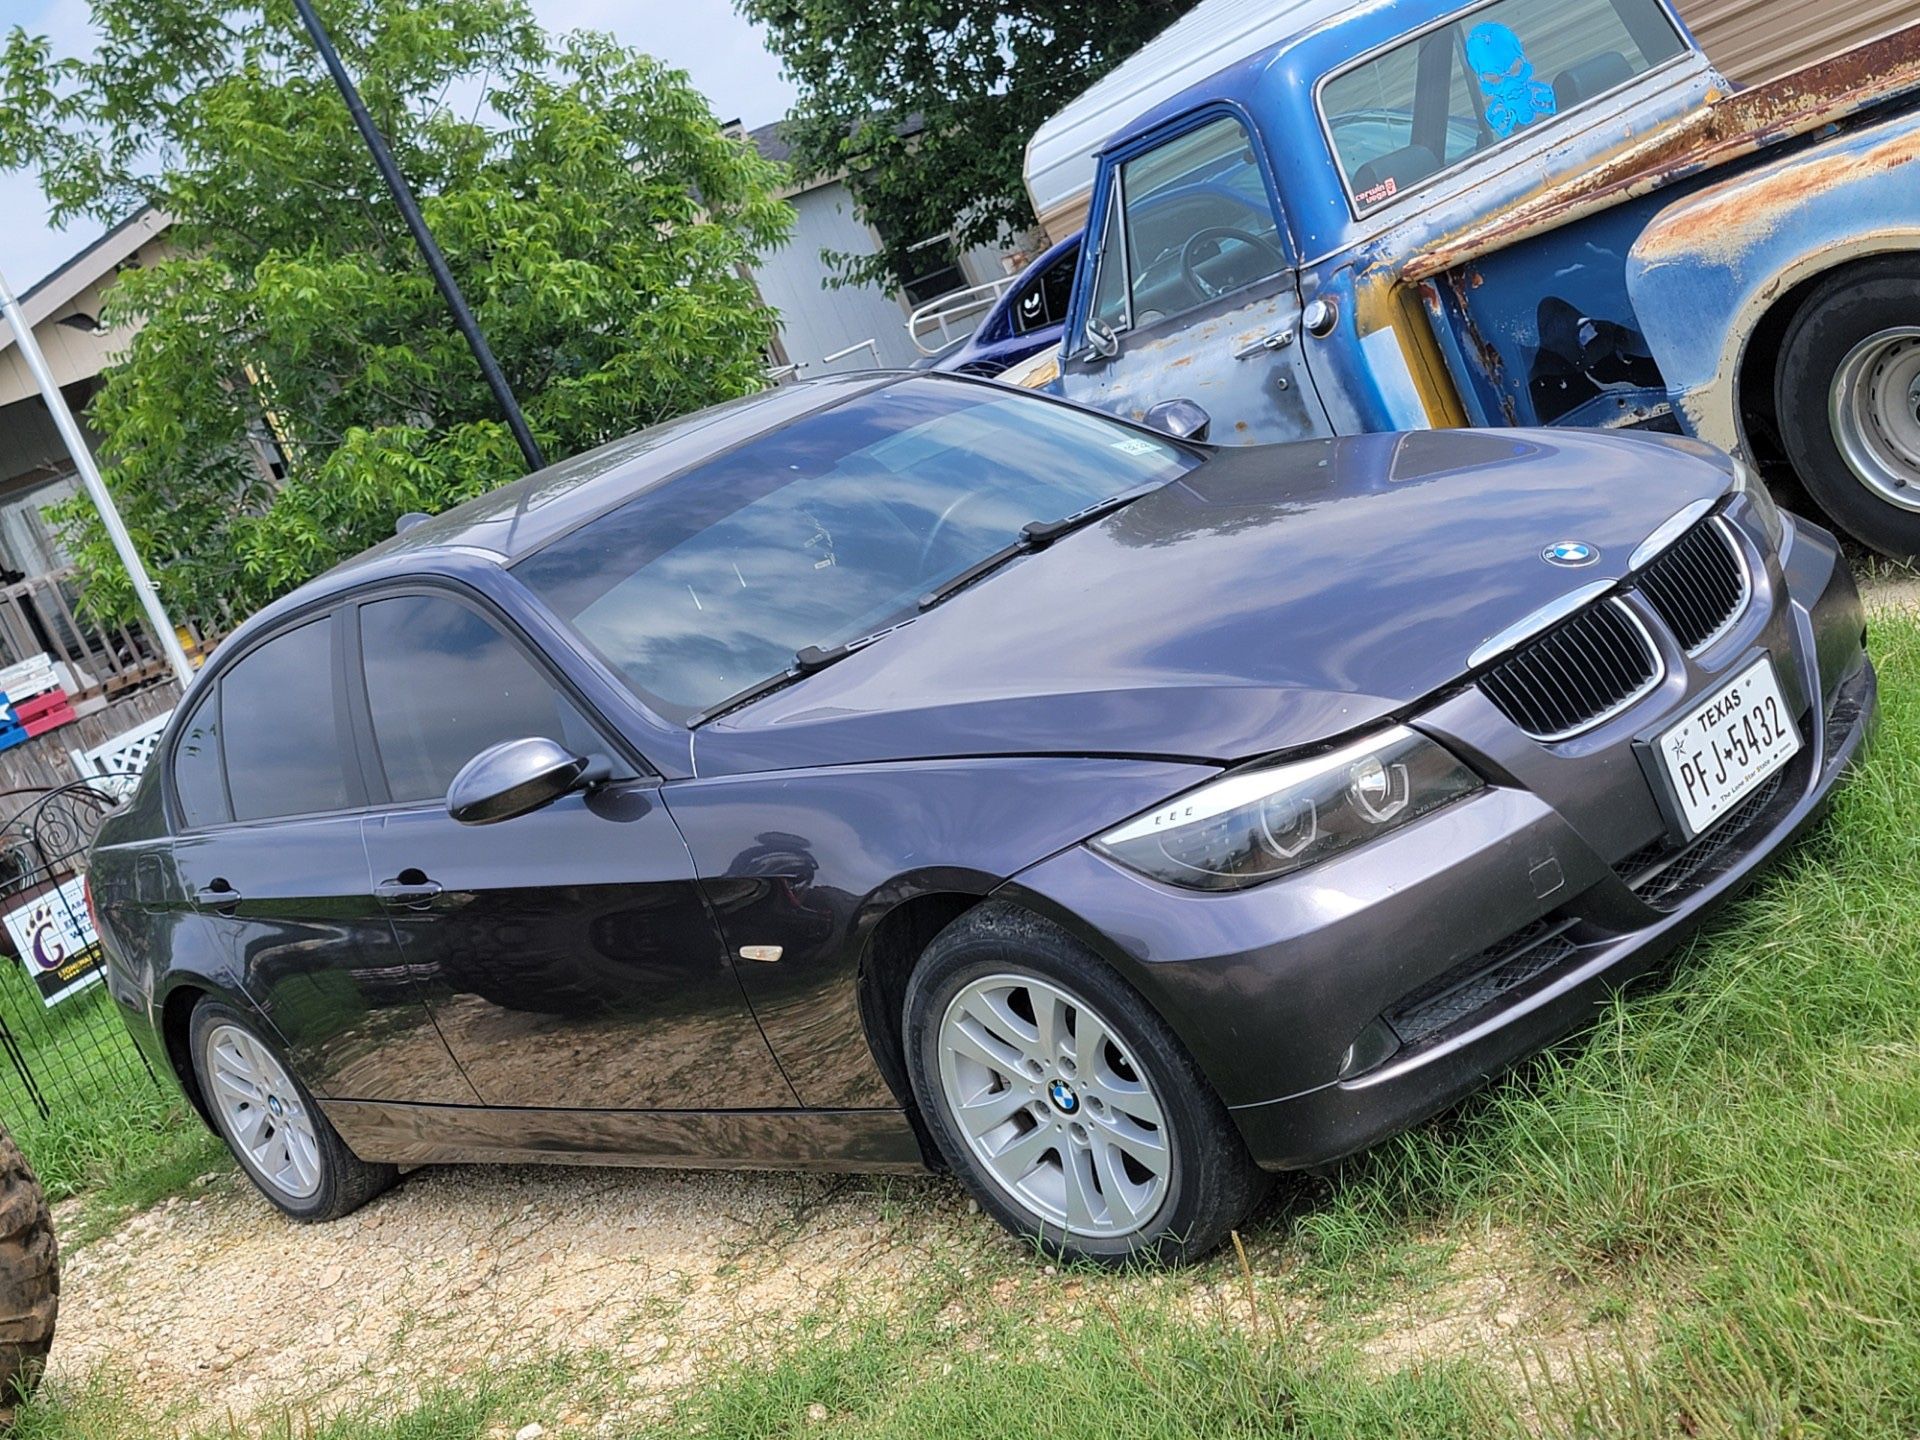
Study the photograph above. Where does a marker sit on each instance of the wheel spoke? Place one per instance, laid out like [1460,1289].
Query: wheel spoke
[1049,1013]
[1015,1160]
[1146,1146]
[1081,1200]
[990,1108]
[1121,1193]
[972,1040]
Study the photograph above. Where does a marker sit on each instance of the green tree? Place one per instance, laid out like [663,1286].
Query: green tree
[927,105]
[591,208]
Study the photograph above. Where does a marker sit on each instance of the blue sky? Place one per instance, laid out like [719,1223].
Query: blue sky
[723,53]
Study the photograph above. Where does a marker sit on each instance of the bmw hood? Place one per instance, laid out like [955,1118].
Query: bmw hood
[1277,596]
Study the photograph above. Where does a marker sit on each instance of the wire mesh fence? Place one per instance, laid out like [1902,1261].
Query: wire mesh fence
[63,1046]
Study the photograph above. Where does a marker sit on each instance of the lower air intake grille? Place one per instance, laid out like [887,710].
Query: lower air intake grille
[1699,585]
[1577,674]
[1481,982]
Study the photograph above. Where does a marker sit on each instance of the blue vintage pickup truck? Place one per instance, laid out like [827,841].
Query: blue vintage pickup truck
[1391,214]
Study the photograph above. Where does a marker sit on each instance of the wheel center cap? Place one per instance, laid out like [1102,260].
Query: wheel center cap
[1064,1100]
[273,1104]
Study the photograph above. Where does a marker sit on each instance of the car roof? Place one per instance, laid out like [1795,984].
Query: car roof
[519,517]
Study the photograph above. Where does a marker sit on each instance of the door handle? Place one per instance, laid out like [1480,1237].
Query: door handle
[217,896]
[409,888]
[1278,340]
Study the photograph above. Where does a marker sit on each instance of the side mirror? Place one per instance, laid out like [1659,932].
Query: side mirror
[1182,419]
[1101,340]
[515,777]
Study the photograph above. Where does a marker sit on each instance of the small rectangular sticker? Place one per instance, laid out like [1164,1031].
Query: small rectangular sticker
[1131,446]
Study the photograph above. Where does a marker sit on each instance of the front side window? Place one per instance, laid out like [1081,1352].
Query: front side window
[826,530]
[279,728]
[1412,111]
[1196,222]
[443,684]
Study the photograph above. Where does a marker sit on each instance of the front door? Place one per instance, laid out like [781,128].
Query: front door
[568,955]
[1193,295]
[270,856]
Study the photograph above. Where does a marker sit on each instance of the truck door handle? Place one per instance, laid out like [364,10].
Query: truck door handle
[409,888]
[1278,340]
[218,895]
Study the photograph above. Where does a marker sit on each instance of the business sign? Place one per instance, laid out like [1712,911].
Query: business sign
[53,936]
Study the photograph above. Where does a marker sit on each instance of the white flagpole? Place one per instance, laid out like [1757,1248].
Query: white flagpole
[96,487]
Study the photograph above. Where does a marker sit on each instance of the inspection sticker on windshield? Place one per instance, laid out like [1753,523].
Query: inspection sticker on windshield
[1131,446]
[1728,745]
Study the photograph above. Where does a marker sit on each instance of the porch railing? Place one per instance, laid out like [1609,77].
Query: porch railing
[39,616]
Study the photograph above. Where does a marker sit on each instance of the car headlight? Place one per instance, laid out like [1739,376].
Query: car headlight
[1766,514]
[1258,824]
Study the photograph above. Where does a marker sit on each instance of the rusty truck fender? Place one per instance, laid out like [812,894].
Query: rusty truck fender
[1710,273]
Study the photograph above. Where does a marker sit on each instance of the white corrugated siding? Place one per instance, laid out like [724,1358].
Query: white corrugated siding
[1755,40]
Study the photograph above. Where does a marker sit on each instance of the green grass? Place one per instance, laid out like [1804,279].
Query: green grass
[1722,1177]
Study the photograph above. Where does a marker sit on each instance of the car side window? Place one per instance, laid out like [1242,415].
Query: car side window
[443,684]
[197,782]
[279,727]
[1197,221]
[1044,301]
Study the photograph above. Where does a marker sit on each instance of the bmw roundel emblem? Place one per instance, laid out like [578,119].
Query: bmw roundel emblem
[1570,553]
[1061,1093]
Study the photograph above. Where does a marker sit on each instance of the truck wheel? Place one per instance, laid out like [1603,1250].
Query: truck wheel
[1064,1102]
[29,1278]
[270,1121]
[1848,396]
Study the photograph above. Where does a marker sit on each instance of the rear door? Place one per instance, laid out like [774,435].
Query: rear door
[568,955]
[1193,293]
[269,853]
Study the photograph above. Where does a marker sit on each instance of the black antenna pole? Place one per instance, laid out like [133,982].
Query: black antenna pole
[436,262]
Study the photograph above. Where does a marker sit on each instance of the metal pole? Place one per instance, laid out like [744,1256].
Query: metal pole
[423,237]
[96,487]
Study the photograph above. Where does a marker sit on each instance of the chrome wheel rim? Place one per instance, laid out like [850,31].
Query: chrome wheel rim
[1053,1106]
[1875,412]
[262,1112]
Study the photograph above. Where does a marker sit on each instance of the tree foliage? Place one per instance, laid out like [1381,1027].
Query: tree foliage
[927,105]
[598,220]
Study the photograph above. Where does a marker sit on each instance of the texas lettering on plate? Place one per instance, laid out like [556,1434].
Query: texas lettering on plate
[1725,750]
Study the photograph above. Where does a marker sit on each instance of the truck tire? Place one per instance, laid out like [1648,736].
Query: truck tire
[29,1278]
[1088,1131]
[1847,393]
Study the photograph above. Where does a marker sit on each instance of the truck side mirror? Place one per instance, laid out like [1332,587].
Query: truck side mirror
[1182,419]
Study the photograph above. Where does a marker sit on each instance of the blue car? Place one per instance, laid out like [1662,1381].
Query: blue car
[1023,322]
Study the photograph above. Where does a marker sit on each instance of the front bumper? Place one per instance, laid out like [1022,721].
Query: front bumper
[1336,1007]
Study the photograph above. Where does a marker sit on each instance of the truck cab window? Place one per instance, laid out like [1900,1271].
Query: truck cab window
[1411,111]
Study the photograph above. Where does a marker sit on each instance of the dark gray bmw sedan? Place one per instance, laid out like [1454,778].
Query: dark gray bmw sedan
[899,771]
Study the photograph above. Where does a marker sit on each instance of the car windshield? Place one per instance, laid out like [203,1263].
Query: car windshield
[826,530]
[1420,107]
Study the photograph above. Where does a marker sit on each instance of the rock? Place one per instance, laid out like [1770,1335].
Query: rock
[532,1431]
[817,1413]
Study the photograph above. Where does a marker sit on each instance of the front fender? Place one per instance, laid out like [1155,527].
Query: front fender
[1707,269]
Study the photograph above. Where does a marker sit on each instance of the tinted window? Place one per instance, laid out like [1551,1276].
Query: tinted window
[281,738]
[196,766]
[826,530]
[1197,223]
[443,684]
[1044,301]
[1412,111]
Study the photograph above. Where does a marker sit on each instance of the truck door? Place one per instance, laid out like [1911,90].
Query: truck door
[1192,291]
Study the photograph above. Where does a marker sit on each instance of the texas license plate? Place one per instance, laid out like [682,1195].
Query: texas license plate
[1728,745]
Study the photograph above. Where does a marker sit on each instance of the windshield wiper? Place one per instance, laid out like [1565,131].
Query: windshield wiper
[1034,535]
[806,661]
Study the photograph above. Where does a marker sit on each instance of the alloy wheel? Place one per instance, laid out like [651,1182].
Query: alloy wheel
[1053,1106]
[1874,406]
[263,1112]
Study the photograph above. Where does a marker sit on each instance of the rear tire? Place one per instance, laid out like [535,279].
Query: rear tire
[1064,1102]
[270,1121]
[1847,394]
[29,1278]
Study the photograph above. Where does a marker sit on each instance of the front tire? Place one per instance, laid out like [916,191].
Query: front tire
[1847,394]
[270,1121]
[1065,1104]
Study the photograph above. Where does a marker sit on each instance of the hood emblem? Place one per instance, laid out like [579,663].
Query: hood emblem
[1570,553]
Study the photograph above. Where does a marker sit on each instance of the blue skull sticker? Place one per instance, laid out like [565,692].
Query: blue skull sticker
[1514,98]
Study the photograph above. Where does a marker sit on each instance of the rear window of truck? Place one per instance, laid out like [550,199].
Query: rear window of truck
[1417,108]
